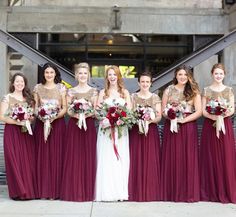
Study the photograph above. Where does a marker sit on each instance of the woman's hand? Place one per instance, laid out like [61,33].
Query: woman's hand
[181,121]
[20,123]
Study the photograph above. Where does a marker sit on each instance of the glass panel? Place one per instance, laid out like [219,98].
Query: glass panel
[126,71]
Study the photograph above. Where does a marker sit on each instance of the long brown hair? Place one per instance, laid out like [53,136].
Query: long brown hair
[191,88]
[120,82]
[26,91]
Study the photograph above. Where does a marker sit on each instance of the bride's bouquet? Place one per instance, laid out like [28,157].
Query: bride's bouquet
[22,113]
[144,115]
[47,112]
[115,116]
[83,108]
[218,107]
[175,111]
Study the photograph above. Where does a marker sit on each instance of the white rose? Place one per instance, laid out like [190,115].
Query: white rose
[152,115]
[105,123]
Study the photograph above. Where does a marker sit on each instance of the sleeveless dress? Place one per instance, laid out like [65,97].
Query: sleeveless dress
[112,173]
[79,171]
[50,153]
[217,156]
[179,164]
[19,153]
[145,171]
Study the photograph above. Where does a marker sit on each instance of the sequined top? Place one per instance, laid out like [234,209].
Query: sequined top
[89,95]
[151,101]
[176,96]
[12,101]
[53,95]
[226,93]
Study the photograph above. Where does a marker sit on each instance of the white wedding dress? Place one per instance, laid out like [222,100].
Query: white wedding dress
[112,173]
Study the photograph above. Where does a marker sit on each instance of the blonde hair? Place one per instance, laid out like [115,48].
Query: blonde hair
[82,65]
[120,82]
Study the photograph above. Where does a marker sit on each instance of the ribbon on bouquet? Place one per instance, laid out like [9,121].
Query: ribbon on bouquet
[114,142]
[28,127]
[220,125]
[143,126]
[82,121]
[46,129]
[174,125]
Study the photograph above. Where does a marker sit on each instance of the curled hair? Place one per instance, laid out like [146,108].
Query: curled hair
[57,78]
[218,66]
[120,82]
[26,91]
[146,73]
[191,88]
[82,65]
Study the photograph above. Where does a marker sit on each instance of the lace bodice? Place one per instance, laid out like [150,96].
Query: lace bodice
[151,101]
[177,96]
[112,101]
[89,95]
[53,95]
[211,94]
[12,102]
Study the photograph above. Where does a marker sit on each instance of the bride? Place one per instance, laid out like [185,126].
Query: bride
[112,163]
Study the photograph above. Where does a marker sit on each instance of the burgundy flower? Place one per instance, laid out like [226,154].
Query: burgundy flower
[208,109]
[112,116]
[141,113]
[112,109]
[171,114]
[42,112]
[218,110]
[21,116]
[77,106]
[123,114]
[112,120]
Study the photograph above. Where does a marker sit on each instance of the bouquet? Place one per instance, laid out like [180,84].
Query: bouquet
[144,115]
[218,107]
[175,111]
[47,112]
[22,113]
[83,108]
[115,116]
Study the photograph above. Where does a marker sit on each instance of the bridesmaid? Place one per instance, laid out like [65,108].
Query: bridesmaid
[49,151]
[144,178]
[179,173]
[18,146]
[217,158]
[80,155]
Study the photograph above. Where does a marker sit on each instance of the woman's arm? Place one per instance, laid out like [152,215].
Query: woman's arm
[69,101]
[6,119]
[63,110]
[100,98]
[158,113]
[164,102]
[232,106]
[127,99]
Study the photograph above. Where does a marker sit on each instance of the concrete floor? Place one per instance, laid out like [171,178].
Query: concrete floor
[45,208]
